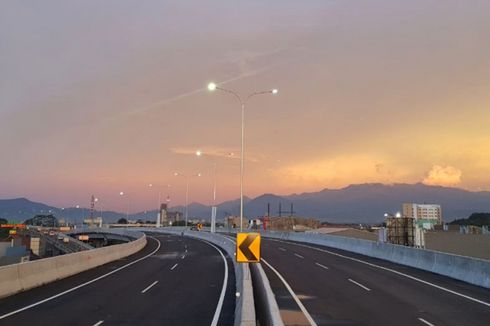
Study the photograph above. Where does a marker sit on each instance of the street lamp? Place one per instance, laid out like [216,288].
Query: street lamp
[214,208]
[177,174]
[76,217]
[151,185]
[158,206]
[212,87]
[122,193]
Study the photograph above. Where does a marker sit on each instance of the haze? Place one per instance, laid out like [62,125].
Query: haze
[98,97]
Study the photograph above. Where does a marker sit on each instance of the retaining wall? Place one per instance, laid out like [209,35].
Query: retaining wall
[23,276]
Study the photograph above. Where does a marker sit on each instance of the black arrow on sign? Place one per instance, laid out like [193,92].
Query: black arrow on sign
[244,247]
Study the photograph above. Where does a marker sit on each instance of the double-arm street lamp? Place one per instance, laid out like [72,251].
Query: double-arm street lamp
[177,174]
[212,87]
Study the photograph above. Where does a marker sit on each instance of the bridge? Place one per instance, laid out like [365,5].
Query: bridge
[169,276]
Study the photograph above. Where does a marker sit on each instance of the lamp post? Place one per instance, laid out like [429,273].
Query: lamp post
[177,174]
[158,204]
[76,217]
[122,193]
[199,153]
[159,217]
[212,87]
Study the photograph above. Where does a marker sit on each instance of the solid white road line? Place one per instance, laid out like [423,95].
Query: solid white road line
[359,284]
[100,322]
[149,287]
[81,285]
[173,267]
[281,248]
[322,266]
[295,297]
[425,322]
[217,312]
[299,256]
[389,270]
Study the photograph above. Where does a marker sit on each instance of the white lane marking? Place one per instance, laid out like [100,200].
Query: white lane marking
[173,267]
[425,321]
[281,248]
[219,306]
[359,284]
[183,256]
[299,256]
[100,322]
[81,285]
[228,237]
[186,250]
[392,271]
[295,297]
[149,287]
[322,266]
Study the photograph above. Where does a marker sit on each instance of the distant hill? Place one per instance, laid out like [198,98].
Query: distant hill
[19,210]
[478,219]
[368,202]
[361,203]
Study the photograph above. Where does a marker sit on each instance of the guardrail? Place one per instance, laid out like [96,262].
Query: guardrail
[468,269]
[23,276]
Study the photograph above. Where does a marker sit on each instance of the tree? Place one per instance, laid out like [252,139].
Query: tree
[122,221]
[478,219]
[3,221]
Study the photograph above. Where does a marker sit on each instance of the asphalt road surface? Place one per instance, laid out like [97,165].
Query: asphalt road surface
[172,281]
[334,287]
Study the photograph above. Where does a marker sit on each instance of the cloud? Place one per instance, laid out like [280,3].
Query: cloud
[342,170]
[443,176]
[246,59]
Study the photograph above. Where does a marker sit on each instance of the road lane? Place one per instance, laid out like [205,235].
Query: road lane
[327,287]
[194,285]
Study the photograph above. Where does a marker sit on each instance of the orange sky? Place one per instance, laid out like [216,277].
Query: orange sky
[108,97]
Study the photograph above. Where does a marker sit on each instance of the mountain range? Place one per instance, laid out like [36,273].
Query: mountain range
[360,203]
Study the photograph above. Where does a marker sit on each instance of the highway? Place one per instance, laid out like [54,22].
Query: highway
[315,285]
[173,281]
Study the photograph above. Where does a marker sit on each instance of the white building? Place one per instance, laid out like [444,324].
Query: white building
[425,215]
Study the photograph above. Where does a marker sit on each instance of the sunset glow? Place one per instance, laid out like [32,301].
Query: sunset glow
[379,92]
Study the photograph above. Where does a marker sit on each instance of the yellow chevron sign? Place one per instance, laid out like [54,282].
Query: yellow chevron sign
[248,247]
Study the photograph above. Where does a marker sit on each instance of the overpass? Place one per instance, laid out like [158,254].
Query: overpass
[194,280]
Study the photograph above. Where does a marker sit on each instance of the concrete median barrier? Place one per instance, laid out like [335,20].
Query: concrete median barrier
[23,276]
[468,269]
[265,301]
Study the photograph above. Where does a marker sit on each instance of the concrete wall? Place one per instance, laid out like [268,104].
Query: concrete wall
[472,245]
[23,276]
[472,270]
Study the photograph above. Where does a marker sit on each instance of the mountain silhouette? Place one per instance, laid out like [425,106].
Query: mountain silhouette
[359,203]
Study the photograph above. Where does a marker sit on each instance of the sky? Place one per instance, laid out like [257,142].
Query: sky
[99,97]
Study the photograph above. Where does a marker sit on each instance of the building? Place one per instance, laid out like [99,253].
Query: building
[163,216]
[425,215]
